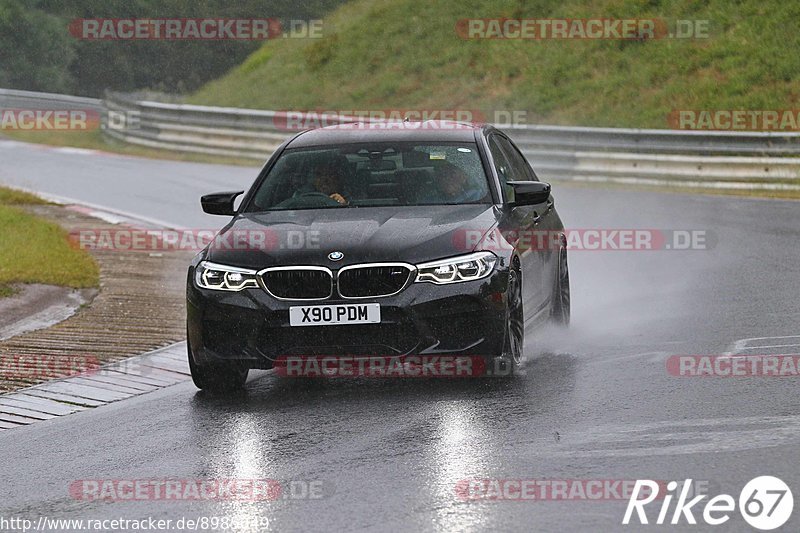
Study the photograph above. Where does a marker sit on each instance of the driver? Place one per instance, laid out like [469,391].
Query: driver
[328,180]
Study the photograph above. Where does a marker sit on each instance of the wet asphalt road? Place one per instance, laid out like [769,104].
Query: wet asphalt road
[595,403]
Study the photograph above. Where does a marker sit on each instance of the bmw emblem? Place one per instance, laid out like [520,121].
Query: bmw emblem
[336,256]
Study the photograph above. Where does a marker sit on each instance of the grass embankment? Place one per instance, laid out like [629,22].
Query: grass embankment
[34,250]
[404,54]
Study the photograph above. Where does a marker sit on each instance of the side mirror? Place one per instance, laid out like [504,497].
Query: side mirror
[220,203]
[530,192]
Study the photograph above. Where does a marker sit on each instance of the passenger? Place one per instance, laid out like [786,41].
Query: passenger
[455,186]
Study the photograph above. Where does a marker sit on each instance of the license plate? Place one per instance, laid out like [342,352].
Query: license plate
[325,315]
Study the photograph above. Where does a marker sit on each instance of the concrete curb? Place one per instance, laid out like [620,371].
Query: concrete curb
[110,383]
[140,308]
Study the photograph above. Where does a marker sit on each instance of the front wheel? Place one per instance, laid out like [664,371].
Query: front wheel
[510,361]
[218,377]
[561,309]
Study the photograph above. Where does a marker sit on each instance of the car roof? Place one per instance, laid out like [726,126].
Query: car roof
[368,132]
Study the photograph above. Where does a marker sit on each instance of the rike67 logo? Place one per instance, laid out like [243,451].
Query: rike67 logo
[765,503]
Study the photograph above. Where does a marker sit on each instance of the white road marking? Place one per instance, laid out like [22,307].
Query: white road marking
[676,437]
[76,151]
[741,345]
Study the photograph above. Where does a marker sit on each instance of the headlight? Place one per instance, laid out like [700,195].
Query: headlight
[224,278]
[463,268]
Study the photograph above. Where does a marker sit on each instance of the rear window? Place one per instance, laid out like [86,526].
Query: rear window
[364,175]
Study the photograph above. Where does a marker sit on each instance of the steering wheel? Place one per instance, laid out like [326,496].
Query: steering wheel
[318,195]
[310,199]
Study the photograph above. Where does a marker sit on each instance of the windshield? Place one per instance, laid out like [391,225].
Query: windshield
[360,175]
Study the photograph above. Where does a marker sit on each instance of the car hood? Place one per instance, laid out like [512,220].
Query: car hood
[366,234]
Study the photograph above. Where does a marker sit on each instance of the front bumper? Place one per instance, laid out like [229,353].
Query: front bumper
[467,318]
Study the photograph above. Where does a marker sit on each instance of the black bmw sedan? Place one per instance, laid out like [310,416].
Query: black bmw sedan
[361,241]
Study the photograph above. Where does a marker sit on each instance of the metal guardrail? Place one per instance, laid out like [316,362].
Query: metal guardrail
[13,99]
[726,159]
[243,133]
[557,152]
[652,141]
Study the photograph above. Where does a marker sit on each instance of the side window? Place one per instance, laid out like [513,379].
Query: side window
[503,166]
[521,170]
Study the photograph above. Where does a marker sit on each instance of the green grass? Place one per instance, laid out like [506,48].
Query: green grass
[6,291]
[379,54]
[35,250]
[17,197]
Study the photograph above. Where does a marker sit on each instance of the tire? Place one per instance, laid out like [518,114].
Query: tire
[219,377]
[561,309]
[510,361]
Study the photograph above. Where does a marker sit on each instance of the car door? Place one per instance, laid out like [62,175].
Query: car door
[521,226]
[548,228]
